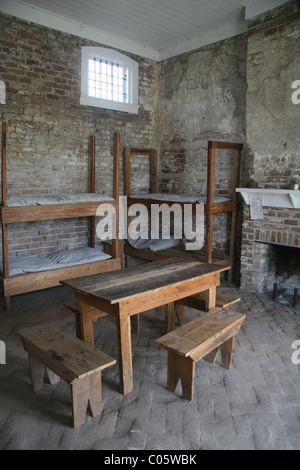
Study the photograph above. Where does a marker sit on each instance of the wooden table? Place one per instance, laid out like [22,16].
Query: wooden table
[130,291]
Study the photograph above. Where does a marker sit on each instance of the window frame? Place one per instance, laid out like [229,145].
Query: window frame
[131,67]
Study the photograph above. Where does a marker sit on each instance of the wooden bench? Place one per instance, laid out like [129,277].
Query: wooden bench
[198,302]
[67,357]
[196,339]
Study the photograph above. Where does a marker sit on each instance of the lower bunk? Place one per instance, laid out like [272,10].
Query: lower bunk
[35,272]
[158,252]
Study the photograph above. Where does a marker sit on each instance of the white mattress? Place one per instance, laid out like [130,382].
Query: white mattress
[59,259]
[178,198]
[63,198]
[153,244]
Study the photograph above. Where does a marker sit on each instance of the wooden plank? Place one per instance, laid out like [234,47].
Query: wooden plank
[118,286]
[51,211]
[35,281]
[64,354]
[92,283]
[211,168]
[177,252]
[116,153]
[136,151]
[92,186]
[224,145]
[4,165]
[215,208]
[156,298]
[116,177]
[92,163]
[127,169]
[125,354]
[201,335]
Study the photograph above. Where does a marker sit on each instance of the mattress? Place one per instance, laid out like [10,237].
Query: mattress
[153,244]
[62,198]
[48,261]
[179,198]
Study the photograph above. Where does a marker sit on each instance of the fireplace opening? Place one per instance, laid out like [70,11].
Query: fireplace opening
[278,271]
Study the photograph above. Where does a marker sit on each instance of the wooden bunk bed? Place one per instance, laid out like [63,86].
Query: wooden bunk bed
[212,206]
[87,207]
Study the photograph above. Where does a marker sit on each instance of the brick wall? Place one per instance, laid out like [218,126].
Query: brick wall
[49,131]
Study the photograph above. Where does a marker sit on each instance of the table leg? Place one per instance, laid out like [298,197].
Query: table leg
[124,354]
[169,317]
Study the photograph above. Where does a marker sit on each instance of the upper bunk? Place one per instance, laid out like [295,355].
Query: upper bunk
[213,203]
[16,208]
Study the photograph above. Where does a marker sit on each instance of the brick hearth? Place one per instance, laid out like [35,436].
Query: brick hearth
[279,227]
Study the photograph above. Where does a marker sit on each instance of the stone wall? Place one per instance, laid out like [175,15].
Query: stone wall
[272,133]
[273,121]
[202,97]
[49,131]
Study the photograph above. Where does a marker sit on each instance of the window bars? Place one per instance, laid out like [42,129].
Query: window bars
[107,80]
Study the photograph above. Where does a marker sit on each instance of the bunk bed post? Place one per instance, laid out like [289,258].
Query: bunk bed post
[234,213]
[4,170]
[211,166]
[115,241]
[127,188]
[92,188]
[4,204]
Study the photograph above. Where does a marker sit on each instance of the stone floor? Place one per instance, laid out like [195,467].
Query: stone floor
[255,405]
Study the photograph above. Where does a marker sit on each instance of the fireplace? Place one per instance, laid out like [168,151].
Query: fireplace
[276,268]
[270,251]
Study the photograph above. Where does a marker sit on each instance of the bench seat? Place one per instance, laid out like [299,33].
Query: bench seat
[65,356]
[201,337]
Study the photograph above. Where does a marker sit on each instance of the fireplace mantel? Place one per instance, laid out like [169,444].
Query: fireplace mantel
[287,198]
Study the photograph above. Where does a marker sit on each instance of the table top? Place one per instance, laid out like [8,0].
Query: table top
[120,285]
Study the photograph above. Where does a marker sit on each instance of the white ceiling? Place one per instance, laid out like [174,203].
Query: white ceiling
[155,29]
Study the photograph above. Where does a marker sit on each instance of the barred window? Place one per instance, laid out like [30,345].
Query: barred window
[109,80]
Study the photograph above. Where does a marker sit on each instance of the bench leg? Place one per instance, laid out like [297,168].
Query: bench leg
[37,371]
[7,304]
[183,368]
[226,352]
[86,391]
